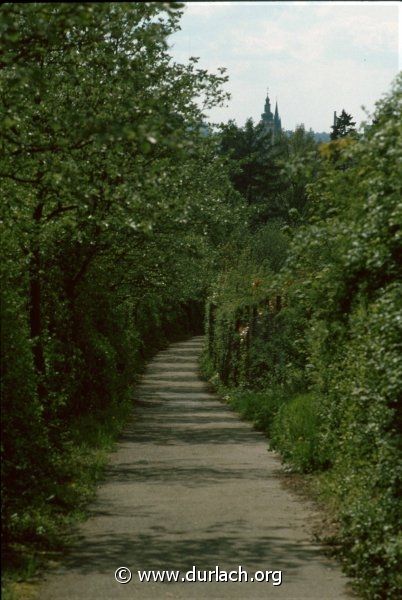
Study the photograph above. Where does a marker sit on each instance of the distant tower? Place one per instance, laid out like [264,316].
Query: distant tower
[277,121]
[267,118]
[271,122]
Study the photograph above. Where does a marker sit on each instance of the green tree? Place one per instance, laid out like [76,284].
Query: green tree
[256,169]
[115,206]
[343,126]
[299,169]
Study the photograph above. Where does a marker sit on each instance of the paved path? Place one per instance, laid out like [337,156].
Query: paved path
[191,484]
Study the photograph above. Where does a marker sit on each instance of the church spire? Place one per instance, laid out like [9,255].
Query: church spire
[277,120]
[271,122]
[267,115]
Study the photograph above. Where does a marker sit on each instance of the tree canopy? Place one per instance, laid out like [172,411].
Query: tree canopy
[114,208]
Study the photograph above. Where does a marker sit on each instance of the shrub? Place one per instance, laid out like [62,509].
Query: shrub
[259,407]
[295,433]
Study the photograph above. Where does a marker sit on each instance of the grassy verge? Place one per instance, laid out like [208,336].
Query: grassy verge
[291,423]
[47,523]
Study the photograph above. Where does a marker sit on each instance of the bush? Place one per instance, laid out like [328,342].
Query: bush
[368,467]
[296,433]
[259,407]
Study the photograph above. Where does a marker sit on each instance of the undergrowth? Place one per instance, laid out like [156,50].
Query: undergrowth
[44,527]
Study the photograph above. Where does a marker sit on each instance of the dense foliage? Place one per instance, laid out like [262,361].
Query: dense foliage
[114,205]
[119,211]
[319,339]
[268,175]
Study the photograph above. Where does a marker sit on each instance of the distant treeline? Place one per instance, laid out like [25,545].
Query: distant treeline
[319,136]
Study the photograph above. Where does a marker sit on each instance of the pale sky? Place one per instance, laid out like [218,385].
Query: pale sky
[315,57]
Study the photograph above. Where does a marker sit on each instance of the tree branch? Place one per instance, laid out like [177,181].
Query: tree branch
[59,210]
[18,179]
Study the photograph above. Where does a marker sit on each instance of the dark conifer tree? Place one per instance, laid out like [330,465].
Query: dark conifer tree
[343,126]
